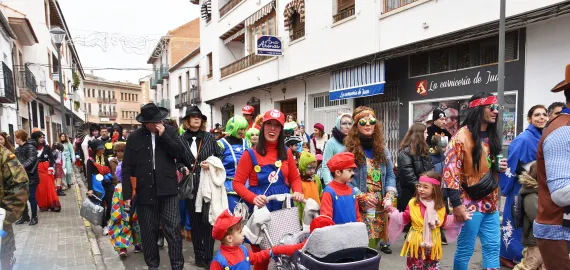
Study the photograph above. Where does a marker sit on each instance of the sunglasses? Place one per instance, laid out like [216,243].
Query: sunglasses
[371,121]
[493,107]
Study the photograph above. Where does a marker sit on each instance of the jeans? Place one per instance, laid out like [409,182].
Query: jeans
[486,226]
[33,201]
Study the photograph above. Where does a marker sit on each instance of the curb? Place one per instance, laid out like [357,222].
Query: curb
[97,257]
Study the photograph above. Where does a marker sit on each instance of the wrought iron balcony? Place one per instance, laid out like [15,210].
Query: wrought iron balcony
[7,89]
[158,76]
[297,34]
[195,96]
[177,102]
[229,6]
[26,82]
[152,83]
[164,71]
[390,5]
[108,114]
[343,14]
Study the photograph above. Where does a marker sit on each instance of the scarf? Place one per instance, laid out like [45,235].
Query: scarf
[100,165]
[430,222]
[367,142]
[338,135]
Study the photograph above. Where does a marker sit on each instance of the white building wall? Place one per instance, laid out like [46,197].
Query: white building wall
[182,71]
[548,53]
[8,112]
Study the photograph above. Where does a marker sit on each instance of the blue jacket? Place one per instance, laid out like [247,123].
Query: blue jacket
[332,148]
[388,176]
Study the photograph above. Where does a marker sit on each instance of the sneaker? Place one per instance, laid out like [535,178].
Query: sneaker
[123,252]
[60,192]
[138,248]
[386,249]
[106,230]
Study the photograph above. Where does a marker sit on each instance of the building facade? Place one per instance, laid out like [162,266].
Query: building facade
[185,84]
[337,54]
[109,102]
[37,68]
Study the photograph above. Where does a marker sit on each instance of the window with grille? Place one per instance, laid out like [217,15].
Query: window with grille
[210,66]
[465,55]
[324,101]
[227,113]
[297,27]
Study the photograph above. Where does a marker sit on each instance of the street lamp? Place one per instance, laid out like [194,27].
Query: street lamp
[58,36]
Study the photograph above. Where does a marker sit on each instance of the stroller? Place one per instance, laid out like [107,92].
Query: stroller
[323,249]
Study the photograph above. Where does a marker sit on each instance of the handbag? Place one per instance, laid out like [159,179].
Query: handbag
[486,186]
[91,211]
[186,185]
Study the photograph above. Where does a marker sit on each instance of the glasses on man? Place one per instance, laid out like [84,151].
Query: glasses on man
[494,107]
[363,122]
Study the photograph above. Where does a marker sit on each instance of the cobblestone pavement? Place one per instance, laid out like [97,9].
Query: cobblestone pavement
[58,241]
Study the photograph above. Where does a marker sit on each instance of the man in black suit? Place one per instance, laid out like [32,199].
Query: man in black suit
[149,177]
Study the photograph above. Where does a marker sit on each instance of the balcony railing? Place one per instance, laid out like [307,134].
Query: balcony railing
[194,95]
[177,102]
[228,6]
[343,14]
[107,114]
[164,71]
[104,100]
[152,83]
[26,79]
[242,64]
[158,75]
[390,5]
[7,89]
[184,99]
[297,34]
[112,100]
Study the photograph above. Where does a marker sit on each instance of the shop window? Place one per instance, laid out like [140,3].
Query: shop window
[227,113]
[464,55]
[456,111]
[210,68]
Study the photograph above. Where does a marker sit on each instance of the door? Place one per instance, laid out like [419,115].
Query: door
[289,107]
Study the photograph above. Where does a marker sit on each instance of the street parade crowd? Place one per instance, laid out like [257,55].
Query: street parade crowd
[168,182]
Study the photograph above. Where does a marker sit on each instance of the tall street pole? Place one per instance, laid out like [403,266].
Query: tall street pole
[501,82]
[61,88]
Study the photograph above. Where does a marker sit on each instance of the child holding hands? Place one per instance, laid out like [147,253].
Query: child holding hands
[426,212]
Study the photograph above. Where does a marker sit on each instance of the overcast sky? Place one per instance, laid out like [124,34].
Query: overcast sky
[130,27]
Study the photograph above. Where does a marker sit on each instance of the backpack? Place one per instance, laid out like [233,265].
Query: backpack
[517,211]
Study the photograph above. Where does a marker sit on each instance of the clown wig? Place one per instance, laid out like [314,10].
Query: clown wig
[234,124]
[250,132]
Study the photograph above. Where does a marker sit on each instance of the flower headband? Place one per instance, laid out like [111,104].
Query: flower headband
[429,180]
[483,101]
[362,114]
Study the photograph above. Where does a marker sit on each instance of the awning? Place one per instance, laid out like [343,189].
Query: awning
[206,10]
[358,81]
[297,6]
[260,13]
[234,36]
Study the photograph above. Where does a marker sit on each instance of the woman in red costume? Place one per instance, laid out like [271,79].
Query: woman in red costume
[45,192]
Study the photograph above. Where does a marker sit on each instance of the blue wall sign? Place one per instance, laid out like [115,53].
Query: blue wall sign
[357,91]
[268,45]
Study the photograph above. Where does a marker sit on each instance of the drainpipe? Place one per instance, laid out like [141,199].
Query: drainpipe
[305,105]
[211,115]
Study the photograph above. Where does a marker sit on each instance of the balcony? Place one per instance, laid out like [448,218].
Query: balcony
[113,100]
[7,89]
[297,34]
[195,95]
[26,82]
[177,102]
[242,64]
[390,5]
[103,100]
[164,103]
[229,6]
[152,83]
[108,114]
[343,14]
[164,73]
[158,76]
[184,99]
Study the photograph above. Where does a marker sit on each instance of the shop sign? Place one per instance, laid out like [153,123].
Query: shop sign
[268,45]
[103,119]
[425,86]
[357,91]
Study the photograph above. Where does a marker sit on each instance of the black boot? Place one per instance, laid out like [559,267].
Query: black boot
[60,192]
[25,218]
[33,221]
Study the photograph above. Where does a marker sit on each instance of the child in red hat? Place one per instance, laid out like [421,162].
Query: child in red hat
[339,200]
[233,254]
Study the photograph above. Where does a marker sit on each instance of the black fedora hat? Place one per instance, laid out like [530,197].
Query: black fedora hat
[150,113]
[194,111]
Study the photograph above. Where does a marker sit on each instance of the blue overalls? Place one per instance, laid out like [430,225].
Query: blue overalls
[343,206]
[263,173]
[232,154]
[243,265]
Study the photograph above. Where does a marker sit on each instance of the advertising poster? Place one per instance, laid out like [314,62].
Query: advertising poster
[509,123]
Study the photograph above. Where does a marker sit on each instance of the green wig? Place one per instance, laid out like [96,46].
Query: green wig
[250,132]
[234,124]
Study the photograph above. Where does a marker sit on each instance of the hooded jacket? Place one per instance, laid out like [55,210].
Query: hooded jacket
[529,190]
[333,147]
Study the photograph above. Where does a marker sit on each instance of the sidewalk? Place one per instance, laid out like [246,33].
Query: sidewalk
[58,241]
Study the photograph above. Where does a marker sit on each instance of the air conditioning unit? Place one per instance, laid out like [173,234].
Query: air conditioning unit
[51,111]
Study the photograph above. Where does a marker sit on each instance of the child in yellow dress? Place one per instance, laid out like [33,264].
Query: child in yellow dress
[427,214]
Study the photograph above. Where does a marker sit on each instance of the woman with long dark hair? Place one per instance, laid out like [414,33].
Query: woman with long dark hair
[69,158]
[522,152]
[469,181]
[4,141]
[374,177]
[27,155]
[413,160]
[270,168]
[45,193]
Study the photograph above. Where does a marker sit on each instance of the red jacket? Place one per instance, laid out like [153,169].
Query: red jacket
[245,171]
[234,255]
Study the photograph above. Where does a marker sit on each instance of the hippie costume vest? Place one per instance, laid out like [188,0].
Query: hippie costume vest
[469,175]
[412,246]
[549,213]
